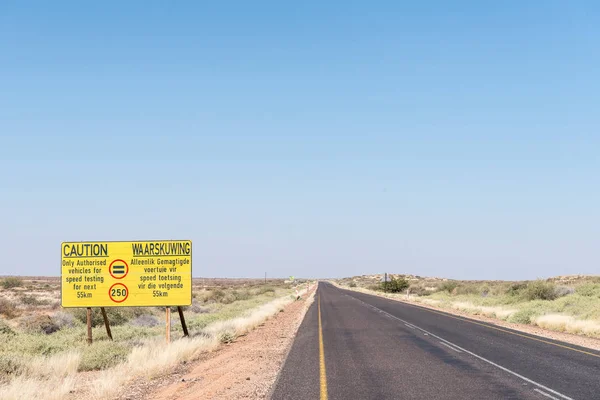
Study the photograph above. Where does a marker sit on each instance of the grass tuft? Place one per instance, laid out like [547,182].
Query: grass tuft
[12,282]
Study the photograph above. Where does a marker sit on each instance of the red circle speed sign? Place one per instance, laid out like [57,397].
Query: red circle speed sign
[118,293]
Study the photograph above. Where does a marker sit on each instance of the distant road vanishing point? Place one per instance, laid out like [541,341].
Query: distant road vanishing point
[358,346]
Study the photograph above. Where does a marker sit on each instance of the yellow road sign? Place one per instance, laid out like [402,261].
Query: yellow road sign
[123,274]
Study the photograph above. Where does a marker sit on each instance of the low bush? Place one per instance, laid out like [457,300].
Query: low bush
[10,365]
[485,291]
[228,298]
[464,289]
[80,314]
[589,290]
[561,291]
[448,286]
[5,329]
[64,320]
[29,300]
[540,290]
[12,282]
[241,294]
[146,320]
[197,308]
[264,289]
[516,289]
[7,308]
[39,324]
[227,337]
[395,285]
[116,316]
[419,291]
[102,355]
[523,317]
[352,284]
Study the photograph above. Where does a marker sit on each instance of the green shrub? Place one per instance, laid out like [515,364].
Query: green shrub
[241,294]
[102,355]
[80,314]
[29,300]
[218,295]
[464,289]
[228,298]
[39,324]
[419,291]
[352,284]
[523,316]
[448,286]
[561,291]
[264,289]
[5,329]
[148,321]
[395,285]
[589,290]
[485,290]
[540,290]
[8,309]
[516,289]
[227,337]
[374,287]
[12,282]
[116,316]
[63,320]
[10,365]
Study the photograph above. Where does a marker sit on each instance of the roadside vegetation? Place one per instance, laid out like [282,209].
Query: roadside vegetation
[568,304]
[43,347]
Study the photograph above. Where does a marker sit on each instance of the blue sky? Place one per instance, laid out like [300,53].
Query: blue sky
[456,139]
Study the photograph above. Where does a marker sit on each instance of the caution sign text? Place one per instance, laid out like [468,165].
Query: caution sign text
[122,274]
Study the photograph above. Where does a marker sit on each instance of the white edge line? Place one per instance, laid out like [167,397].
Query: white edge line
[545,394]
[474,355]
[450,347]
[410,326]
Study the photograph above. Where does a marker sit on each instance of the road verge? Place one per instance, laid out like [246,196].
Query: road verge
[577,340]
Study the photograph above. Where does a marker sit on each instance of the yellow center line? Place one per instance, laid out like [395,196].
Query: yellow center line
[323,373]
[501,330]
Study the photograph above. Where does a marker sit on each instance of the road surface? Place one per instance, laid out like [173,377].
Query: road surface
[357,346]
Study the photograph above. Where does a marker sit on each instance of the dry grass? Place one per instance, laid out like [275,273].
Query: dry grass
[29,388]
[44,378]
[488,311]
[568,324]
[55,375]
[149,360]
[155,358]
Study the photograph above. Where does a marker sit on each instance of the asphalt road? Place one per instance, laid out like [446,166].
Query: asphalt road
[375,348]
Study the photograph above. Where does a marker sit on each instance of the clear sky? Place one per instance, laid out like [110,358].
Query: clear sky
[457,139]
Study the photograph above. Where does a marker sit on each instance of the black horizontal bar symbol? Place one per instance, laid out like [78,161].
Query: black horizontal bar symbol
[118,267]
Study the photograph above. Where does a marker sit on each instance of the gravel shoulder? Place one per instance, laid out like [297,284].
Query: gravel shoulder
[244,369]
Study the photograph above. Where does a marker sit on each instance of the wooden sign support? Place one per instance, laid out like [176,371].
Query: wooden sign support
[106,324]
[183,324]
[89,325]
[168,320]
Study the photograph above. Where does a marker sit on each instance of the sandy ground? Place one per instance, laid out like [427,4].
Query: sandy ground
[245,369]
[584,341]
